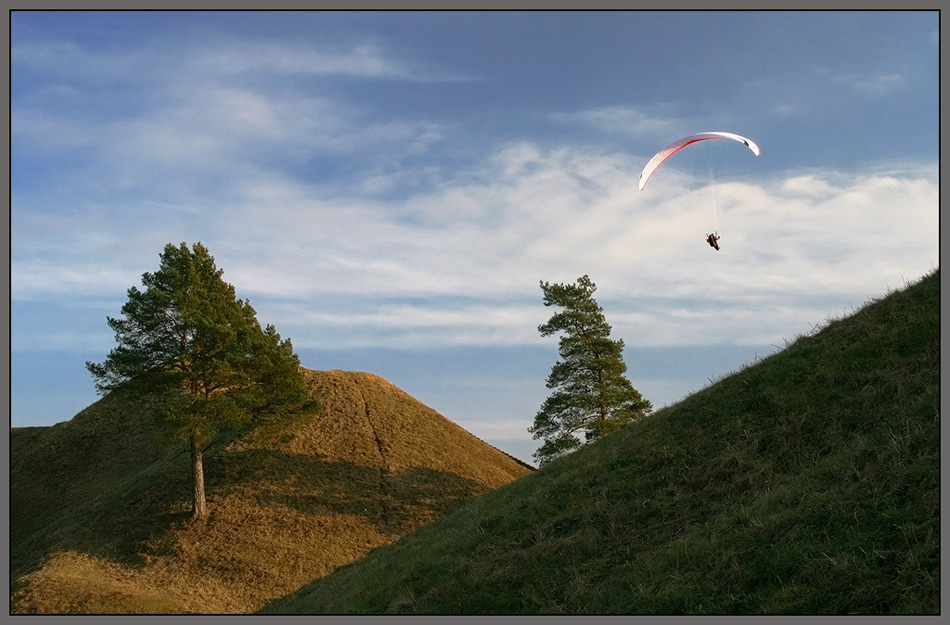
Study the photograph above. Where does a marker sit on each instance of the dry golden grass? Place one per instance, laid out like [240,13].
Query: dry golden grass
[100,511]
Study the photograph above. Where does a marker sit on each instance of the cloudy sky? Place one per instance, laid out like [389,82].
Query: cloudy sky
[389,188]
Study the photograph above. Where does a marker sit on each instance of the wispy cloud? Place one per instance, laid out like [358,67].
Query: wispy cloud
[216,153]
[213,59]
[65,62]
[180,138]
[639,122]
[867,83]
[361,60]
[405,181]
[358,272]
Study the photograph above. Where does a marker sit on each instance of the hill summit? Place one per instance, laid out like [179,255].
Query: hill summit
[806,483]
[99,508]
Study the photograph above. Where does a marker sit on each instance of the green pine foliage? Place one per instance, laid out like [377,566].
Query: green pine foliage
[591,394]
[189,340]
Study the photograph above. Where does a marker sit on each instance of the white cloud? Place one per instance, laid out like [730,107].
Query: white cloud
[364,60]
[216,154]
[456,265]
[868,83]
[653,123]
[791,248]
[877,84]
[68,62]
[354,202]
[209,60]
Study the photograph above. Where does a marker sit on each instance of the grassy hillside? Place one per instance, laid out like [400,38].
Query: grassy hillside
[100,511]
[807,483]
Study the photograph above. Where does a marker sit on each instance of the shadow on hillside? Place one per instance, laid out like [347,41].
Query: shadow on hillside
[394,502]
[111,524]
[143,518]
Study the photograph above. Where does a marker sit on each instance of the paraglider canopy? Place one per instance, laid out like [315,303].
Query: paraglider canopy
[664,154]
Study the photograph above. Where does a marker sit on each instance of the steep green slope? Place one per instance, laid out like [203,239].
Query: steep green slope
[806,483]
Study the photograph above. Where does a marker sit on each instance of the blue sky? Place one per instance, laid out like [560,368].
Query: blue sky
[388,188]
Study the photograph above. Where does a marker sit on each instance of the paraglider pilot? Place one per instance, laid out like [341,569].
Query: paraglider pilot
[713,240]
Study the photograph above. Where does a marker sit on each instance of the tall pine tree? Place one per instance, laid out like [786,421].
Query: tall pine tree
[591,394]
[187,339]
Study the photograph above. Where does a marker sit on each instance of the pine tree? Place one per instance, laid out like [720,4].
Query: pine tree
[188,340]
[592,396]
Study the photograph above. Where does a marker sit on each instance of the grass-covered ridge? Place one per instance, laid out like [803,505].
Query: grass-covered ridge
[806,483]
[100,523]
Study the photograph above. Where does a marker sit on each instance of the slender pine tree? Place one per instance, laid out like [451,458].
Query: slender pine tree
[591,394]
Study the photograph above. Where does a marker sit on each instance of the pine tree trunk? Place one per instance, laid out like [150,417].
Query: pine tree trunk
[198,480]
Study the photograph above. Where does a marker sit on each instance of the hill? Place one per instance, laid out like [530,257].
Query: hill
[100,509]
[806,483]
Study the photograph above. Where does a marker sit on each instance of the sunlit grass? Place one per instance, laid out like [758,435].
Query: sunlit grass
[100,511]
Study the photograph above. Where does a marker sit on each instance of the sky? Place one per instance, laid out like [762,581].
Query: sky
[388,189]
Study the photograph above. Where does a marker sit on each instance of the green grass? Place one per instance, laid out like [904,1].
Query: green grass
[806,483]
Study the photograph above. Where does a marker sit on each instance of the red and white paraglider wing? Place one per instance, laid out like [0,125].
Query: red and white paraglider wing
[678,145]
